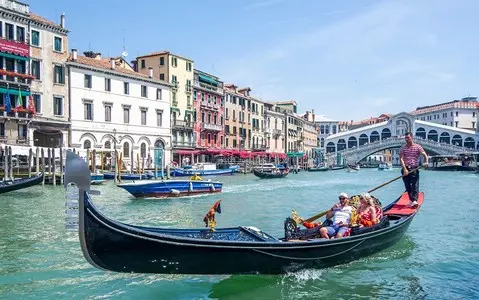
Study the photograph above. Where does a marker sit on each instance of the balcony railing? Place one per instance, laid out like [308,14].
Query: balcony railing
[259,147]
[208,87]
[277,132]
[213,127]
[177,124]
[175,85]
[185,144]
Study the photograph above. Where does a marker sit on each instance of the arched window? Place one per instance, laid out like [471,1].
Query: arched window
[159,144]
[126,149]
[143,150]
[87,144]
[107,145]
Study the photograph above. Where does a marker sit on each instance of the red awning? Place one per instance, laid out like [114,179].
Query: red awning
[212,151]
[187,152]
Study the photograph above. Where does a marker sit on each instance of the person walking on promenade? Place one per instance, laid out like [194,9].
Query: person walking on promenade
[409,157]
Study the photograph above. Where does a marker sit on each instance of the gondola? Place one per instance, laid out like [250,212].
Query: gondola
[111,245]
[18,184]
[270,175]
[318,169]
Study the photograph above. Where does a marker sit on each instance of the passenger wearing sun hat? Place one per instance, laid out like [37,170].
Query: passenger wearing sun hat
[340,214]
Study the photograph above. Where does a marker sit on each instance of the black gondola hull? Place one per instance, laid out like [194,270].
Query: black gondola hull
[19,184]
[267,175]
[124,248]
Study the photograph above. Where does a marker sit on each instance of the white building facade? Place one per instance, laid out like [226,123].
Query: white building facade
[458,113]
[112,105]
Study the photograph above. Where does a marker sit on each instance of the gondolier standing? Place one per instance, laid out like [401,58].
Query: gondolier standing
[409,157]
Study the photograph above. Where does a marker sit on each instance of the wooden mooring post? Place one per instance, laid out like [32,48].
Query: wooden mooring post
[10,162]
[62,171]
[54,167]
[43,167]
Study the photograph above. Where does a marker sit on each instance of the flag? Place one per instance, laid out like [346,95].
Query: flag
[31,106]
[19,99]
[8,104]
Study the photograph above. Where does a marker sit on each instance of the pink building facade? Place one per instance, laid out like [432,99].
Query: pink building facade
[209,105]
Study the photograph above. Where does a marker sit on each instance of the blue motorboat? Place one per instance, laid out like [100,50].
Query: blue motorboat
[97,178]
[203,169]
[126,176]
[171,188]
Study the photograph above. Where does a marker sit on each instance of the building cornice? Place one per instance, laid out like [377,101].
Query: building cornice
[119,74]
[26,20]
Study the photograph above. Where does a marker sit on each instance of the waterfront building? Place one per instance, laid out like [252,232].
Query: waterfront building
[255,109]
[49,89]
[209,109]
[326,127]
[275,124]
[310,136]
[115,107]
[178,71]
[15,80]
[237,129]
[294,127]
[458,113]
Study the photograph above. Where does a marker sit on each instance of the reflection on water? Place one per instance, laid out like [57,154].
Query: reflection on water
[437,259]
[367,277]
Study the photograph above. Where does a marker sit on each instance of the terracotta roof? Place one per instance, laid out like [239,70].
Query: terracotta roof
[43,20]
[104,63]
[447,105]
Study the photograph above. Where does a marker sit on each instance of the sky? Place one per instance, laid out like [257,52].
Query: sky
[347,60]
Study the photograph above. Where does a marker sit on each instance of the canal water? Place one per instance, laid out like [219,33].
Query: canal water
[438,258]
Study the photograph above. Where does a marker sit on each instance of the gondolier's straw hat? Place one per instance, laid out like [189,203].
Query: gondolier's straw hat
[343,195]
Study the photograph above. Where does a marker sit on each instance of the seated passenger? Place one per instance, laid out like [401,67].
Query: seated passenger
[195,177]
[341,216]
[367,211]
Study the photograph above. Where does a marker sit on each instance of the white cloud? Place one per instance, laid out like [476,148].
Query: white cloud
[261,4]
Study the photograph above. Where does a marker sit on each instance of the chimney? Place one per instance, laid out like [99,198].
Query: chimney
[62,20]
[74,54]
[112,63]
[134,65]
[150,72]
[314,116]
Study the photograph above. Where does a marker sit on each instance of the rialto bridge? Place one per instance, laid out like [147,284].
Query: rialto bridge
[357,144]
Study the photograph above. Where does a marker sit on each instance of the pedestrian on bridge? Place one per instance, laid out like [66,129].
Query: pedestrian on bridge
[409,156]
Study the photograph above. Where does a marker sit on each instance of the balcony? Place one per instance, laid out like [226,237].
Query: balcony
[277,132]
[259,147]
[174,103]
[212,127]
[189,106]
[216,106]
[183,144]
[208,87]
[185,125]
[175,86]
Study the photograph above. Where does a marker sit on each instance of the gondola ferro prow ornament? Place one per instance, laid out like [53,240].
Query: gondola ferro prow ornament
[209,218]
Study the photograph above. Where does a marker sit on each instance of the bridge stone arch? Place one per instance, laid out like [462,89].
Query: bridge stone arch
[341,145]
[374,136]
[352,142]
[432,135]
[456,140]
[469,143]
[445,138]
[385,133]
[363,139]
[421,133]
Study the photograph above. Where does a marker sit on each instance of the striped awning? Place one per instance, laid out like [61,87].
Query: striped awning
[8,55]
[14,92]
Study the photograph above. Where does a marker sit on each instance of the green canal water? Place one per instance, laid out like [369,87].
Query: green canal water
[438,258]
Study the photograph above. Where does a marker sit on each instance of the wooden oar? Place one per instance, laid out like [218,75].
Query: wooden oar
[392,180]
[371,190]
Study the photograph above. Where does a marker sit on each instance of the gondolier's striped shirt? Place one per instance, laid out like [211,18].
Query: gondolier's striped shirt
[410,155]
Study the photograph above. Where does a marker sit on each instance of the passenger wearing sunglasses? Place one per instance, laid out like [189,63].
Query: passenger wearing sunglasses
[340,215]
